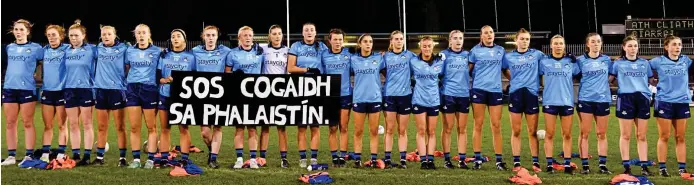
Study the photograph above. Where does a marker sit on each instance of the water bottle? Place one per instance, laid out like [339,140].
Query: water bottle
[317,167]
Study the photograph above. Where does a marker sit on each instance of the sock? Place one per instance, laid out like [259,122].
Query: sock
[387,155]
[602,159]
[357,156]
[239,152]
[334,154]
[46,149]
[584,161]
[157,159]
[643,163]
[662,165]
[262,153]
[150,156]
[30,152]
[87,153]
[626,164]
[403,155]
[178,148]
[302,154]
[136,154]
[447,156]
[374,156]
[498,158]
[478,156]
[209,148]
[61,149]
[462,156]
[550,161]
[423,158]
[283,154]
[253,154]
[567,161]
[314,154]
[213,157]
[76,152]
[430,157]
[12,152]
[165,156]
[122,152]
[516,159]
[682,166]
[100,153]
[536,159]
[184,156]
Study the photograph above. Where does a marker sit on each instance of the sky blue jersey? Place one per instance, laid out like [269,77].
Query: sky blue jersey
[426,87]
[338,63]
[211,60]
[21,65]
[398,73]
[673,79]
[80,66]
[249,61]
[367,77]
[524,69]
[54,67]
[456,73]
[143,64]
[308,55]
[594,86]
[486,72]
[110,66]
[557,78]
[632,76]
[174,61]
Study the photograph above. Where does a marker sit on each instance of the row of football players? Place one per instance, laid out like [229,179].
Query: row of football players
[398,100]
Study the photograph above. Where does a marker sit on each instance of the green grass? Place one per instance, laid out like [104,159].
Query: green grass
[110,174]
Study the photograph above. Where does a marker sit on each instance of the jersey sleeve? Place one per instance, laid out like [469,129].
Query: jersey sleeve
[230,59]
[161,63]
[382,63]
[541,68]
[39,54]
[655,63]
[612,68]
[193,64]
[504,61]
[472,58]
[576,69]
[293,50]
[650,72]
[126,57]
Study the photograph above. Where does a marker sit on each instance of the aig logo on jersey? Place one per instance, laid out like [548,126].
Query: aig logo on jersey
[373,62]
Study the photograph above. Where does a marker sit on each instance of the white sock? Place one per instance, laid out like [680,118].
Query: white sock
[137,160]
[239,159]
[60,156]
[100,158]
[44,155]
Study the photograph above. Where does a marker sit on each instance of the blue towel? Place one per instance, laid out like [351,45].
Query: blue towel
[36,163]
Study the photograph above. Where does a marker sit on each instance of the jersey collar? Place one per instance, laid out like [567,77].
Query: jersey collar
[482,45]
[668,57]
[148,46]
[588,56]
[516,50]
[456,52]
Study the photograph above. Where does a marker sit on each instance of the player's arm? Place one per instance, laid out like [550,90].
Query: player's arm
[507,73]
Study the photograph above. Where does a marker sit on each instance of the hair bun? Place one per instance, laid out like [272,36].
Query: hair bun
[78,22]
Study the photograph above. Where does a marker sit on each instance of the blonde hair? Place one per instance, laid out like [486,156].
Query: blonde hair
[26,24]
[78,26]
[588,38]
[144,26]
[450,34]
[208,27]
[521,31]
[108,27]
[243,28]
[390,45]
[558,37]
[58,28]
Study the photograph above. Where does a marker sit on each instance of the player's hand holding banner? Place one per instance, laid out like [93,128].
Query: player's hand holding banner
[223,99]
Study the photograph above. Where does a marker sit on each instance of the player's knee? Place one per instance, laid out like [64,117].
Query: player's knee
[515,133]
[602,135]
[584,135]
[102,129]
[549,136]
[28,124]
[432,132]
[626,136]
[566,136]
[664,136]
[333,129]
[48,126]
[641,137]
[446,131]
[679,138]
[402,132]
[120,128]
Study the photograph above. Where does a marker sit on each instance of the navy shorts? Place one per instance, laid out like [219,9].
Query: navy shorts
[110,99]
[453,104]
[633,105]
[164,103]
[595,108]
[78,97]
[399,104]
[52,98]
[367,107]
[18,96]
[142,95]
[668,110]
[558,110]
[431,111]
[346,102]
[487,98]
[522,101]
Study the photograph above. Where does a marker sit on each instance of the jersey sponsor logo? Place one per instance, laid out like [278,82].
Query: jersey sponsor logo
[426,76]
[458,66]
[595,73]
[675,72]
[337,66]
[276,63]
[108,57]
[309,53]
[18,58]
[489,62]
[248,66]
[209,62]
[176,66]
[365,71]
[141,63]
[635,74]
[523,66]
[562,74]
[74,57]
[397,66]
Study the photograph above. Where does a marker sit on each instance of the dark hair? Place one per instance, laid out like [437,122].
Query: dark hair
[335,31]
[315,40]
[624,43]
[361,37]
[668,39]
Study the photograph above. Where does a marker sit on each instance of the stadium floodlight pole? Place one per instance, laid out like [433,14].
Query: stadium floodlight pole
[288,43]
[664,9]
[561,6]
[463,2]
[496,17]
[595,12]
[399,15]
[404,24]
[530,25]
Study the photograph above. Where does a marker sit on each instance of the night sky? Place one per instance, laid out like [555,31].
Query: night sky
[353,16]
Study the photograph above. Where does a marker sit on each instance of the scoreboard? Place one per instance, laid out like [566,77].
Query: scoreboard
[660,28]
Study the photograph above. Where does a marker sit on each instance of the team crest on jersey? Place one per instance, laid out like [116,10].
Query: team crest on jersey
[643,66]
[345,56]
[403,56]
[217,53]
[530,57]
[567,66]
[374,62]
[117,51]
[150,55]
[185,59]
[28,50]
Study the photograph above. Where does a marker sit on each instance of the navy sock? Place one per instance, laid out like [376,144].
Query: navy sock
[239,152]
[184,156]
[150,156]
[165,155]
[30,152]
[584,161]
[478,156]
[567,161]
[213,157]
[550,161]
[662,165]
[178,148]
[334,154]
[498,158]
[302,154]
[136,154]
[283,154]
[388,155]
[46,149]
[100,152]
[462,156]
[87,153]
[262,153]
[626,164]
[516,159]
[357,156]
[374,156]
[536,159]
[12,152]
[122,152]
[423,158]
[682,165]
[314,154]
[403,155]
[430,157]
[76,151]
[447,156]
[253,154]
[643,163]
[602,159]
[61,149]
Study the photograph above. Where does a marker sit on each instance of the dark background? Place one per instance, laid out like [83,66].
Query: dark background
[353,16]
